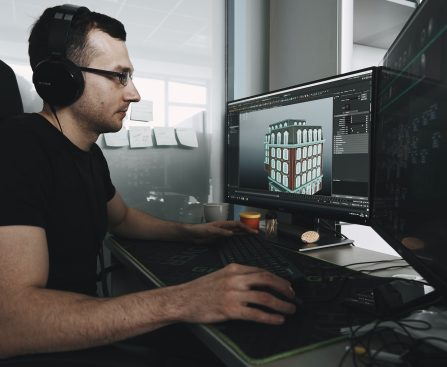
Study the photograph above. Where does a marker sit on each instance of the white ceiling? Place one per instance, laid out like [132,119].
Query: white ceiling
[150,24]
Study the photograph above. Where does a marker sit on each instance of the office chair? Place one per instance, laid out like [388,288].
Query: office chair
[10,99]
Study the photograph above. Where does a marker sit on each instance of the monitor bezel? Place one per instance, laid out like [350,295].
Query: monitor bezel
[308,208]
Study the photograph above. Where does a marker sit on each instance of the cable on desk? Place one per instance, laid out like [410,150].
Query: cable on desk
[392,353]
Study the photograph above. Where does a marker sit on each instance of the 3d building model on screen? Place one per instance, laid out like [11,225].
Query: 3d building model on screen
[294,157]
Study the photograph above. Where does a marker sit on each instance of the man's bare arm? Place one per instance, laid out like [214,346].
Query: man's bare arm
[34,319]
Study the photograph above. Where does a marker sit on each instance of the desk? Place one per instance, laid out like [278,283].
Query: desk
[132,253]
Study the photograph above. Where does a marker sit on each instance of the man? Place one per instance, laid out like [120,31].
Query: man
[58,202]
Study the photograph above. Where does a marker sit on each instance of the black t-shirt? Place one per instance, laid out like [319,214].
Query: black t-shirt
[49,182]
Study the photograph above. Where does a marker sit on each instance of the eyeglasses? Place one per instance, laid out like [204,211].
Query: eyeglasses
[123,76]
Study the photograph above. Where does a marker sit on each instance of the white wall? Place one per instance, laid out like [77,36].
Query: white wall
[365,56]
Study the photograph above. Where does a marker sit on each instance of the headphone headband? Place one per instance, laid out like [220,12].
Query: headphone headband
[60,28]
[58,80]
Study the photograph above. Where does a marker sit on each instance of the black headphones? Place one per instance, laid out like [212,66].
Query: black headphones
[58,80]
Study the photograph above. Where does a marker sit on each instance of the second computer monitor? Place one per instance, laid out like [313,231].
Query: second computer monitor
[304,149]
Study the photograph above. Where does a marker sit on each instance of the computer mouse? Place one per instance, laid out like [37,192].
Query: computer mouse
[295,300]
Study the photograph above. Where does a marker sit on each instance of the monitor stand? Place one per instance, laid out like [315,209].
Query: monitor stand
[289,234]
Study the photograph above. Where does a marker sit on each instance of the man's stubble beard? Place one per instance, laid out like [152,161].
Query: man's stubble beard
[95,122]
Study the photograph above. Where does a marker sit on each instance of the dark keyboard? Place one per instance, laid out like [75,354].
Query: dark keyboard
[255,251]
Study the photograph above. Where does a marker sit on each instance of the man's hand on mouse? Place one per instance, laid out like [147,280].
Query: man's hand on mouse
[227,293]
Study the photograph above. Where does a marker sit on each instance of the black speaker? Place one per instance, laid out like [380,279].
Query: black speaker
[58,81]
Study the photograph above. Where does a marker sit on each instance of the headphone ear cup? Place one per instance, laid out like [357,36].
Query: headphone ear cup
[58,82]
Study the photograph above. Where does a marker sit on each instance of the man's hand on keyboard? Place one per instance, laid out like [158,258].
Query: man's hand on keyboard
[208,232]
[227,294]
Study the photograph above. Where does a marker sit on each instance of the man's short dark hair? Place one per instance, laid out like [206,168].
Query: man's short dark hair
[77,48]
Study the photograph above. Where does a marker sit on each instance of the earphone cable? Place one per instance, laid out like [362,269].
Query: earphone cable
[57,119]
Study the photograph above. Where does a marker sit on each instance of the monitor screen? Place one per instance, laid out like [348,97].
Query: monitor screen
[304,149]
[410,210]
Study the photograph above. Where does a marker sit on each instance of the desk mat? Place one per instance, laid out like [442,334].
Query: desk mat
[317,321]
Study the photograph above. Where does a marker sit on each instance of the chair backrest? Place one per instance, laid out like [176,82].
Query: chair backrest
[10,99]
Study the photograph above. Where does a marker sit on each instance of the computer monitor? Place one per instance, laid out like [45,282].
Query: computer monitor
[304,149]
[410,206]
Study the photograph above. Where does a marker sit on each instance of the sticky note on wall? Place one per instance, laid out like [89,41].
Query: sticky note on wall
[142,111]
[140,136]
[187,137]
[165,136]
[118,139]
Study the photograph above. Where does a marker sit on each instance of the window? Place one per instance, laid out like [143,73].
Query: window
[297,181]
[285,154]
[298,154]
[309,151]
[304,167]
[278,166]
[278,138]
[299,137]
[272,138]
[184,101]
[273,152]
[278,153]
[153,90]
[298,168]
[286,137]
[184,93]
[305,136]
[273,164]
[285,168]
[278,177]
[285,180]
[173,102]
